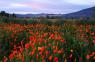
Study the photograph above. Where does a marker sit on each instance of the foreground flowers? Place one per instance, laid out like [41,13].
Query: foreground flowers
[40,48]
[32,43]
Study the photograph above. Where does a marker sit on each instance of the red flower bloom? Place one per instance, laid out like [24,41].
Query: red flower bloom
[59,52]
[5,59]
[37,56]
[31,38]
[87,57]
[62,40]
[21,50]
[50,58]
[11,56]
[55,59]
[27,45]
[32,53]
[47,52]
[43,61]
[94,41]
[93,37]
[54,51]
[41,49]
[52,36]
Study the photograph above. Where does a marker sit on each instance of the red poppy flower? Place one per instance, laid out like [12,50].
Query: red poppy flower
[27,45]
[50,58]
[94,41]
[55,59]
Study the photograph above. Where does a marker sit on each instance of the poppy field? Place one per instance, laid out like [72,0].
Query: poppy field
[47,43]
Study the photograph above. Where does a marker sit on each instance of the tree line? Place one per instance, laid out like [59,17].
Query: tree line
[4,14]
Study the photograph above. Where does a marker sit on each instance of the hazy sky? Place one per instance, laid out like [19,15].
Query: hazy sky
[44,6]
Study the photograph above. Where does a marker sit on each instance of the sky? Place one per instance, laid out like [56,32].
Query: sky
[44,6]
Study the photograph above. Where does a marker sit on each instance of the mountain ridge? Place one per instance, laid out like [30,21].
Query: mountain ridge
[89,12]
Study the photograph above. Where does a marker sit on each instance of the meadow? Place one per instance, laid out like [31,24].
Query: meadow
[60,41]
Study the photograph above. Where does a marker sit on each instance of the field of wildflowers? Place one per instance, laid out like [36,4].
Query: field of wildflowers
[44,43]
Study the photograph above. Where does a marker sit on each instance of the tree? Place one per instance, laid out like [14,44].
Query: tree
[2,13]
[13,15]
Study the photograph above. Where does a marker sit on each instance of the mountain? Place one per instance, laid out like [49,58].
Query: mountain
[37,15]
[89,12]
[30,15]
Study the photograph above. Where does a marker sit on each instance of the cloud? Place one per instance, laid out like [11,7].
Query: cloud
[45,6]
[33,5]
[17,5]
[81,2]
